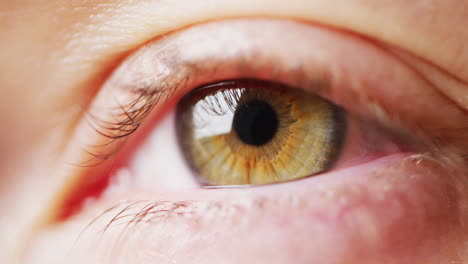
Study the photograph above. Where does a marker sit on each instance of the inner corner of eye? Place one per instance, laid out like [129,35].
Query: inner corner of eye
[254,132]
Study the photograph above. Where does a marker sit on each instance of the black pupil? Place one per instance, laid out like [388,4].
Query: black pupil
[255,122]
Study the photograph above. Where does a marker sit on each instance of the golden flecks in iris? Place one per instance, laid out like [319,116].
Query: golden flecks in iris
[307,142]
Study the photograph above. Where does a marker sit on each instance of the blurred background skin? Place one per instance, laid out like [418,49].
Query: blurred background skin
[55,54]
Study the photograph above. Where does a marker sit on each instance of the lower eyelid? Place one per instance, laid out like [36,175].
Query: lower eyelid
[374,208]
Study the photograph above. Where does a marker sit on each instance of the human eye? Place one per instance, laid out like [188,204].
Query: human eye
[337,117]
[250,132]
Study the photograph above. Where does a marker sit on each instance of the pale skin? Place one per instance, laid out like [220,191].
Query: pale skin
[56,56]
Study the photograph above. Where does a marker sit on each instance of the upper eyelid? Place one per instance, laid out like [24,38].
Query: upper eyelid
[161,68]
[130,79]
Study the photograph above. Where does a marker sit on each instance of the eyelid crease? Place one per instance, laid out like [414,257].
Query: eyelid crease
[448,84]
[436,77]
[455,140]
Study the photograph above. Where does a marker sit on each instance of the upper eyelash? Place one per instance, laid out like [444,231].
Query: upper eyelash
[130,116]
[125,123]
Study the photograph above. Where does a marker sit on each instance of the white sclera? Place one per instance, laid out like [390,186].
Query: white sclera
[158,163]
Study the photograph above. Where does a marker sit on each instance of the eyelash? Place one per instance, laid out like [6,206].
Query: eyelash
[126,123]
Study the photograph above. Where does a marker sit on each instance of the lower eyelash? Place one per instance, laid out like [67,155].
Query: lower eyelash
[128,214]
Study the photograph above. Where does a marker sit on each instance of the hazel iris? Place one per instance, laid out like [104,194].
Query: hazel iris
[247,132]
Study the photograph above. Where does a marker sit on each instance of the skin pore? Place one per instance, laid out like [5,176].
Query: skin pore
[57,55]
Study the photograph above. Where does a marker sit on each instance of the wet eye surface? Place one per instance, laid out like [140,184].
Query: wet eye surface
[257,132]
